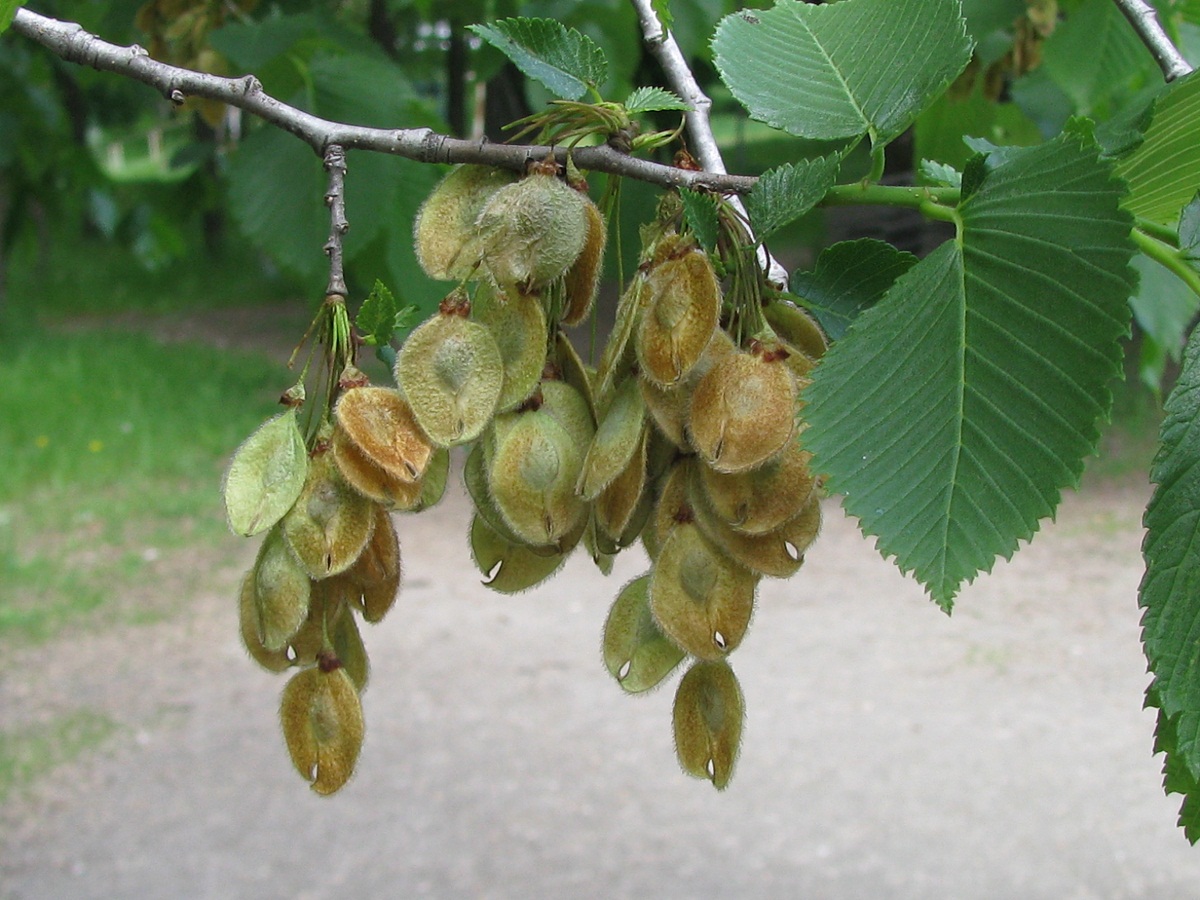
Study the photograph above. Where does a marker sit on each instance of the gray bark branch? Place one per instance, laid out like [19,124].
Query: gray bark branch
[1144,19]
[71,42]
[335,199]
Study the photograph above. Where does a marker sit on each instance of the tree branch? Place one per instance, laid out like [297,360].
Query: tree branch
[335,199]
[72,43]
[1142,17]
[665,49]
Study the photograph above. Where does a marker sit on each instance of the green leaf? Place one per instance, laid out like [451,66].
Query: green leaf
[653,99]
[692,25]
[279,48]
[612,25]
[844,70]
[1188,41]
[376,319]
[784,194]
[1042,100]
[8,9]
[406,318]
[939,174]
[277,182]
[275,189]
[848,278]
[953,412]
[564,60]
[1170,589]
[1178,779]
[700,212]
[1152,365]
[662,9]
[1168,593]
[1164,172]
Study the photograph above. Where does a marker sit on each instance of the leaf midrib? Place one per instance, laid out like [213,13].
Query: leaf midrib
[960,418]
[836,71]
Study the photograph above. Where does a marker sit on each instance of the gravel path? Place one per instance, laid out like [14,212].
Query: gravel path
[889,751]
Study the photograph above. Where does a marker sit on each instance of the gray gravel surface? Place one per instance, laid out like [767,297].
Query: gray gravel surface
[890,751]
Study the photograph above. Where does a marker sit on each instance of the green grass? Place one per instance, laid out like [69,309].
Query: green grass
[94,409]
[112,442]
[27,753]
[90,275]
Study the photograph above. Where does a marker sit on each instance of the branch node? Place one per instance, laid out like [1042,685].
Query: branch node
[78,42]
[176,96]
[432,147]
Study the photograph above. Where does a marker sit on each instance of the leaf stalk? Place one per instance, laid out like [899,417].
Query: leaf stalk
[892,195]
[1167,256]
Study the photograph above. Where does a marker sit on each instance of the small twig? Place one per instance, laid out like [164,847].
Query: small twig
[1144,19]
[335,199]
[662,44]
[701,142]
[71,42]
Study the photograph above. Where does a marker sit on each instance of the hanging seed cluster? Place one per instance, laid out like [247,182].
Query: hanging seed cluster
[685,437]
[330,554]
[705,387]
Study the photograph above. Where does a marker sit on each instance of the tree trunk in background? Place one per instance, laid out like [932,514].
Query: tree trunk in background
[505,102]
[381,27]
[456,80]
[5,206]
